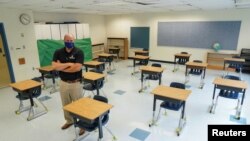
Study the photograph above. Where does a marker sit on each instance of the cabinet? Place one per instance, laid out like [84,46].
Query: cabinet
[97,49]
[215,60]
[57,31]
[121,43]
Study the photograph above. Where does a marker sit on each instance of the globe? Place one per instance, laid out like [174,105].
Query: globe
[216,47]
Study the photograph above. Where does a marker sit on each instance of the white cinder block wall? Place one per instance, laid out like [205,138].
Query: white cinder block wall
[21,42]
[115,22]
[102,27]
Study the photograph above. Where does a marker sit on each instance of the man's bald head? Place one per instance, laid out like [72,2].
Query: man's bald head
[69,38]
[69,41]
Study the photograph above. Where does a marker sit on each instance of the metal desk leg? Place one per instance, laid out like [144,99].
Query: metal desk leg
[100,128]
[202,79]
[32,113]
[44,85]
[141,83]
[186,76]
[160,78]
[153,122]
[238,110]
[53,89]
[97,87]
[182,121]
[21,107]
[213,106]
[175,64]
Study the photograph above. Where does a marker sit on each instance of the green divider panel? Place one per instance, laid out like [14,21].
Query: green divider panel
[46,49]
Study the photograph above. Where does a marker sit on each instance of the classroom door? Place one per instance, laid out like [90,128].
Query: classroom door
[4,71]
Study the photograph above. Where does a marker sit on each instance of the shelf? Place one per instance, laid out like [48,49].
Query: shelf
[97,49]
[215,60]
[122,43]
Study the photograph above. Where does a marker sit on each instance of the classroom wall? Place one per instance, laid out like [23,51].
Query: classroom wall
[21,42]
[115,22]
[14,31]
[96,23]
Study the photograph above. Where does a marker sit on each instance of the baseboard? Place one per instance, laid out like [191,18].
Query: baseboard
[160,61]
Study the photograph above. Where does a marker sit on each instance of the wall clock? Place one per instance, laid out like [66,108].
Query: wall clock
[25,19]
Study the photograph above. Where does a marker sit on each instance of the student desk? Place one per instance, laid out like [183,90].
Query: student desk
[93,64]
[107,57]
[93,78]
[115,51]
[196,65]
[88,110]
[138,58]
[230,85]
[236,61]
[179,56]
[151,71]
[141,52]
[166,93]
[23,87]
[48,70]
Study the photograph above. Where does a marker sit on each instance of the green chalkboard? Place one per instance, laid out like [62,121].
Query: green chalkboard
[139,37]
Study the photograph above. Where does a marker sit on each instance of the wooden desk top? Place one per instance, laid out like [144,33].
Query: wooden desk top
[152,69]
[25,85]
[46,68]
[88,108]
[140,57]
[234,59]
[230,83]
[105,55]
[93,63]
[141,51]
[204,65]
[170,92]
[182,55]
[92,76]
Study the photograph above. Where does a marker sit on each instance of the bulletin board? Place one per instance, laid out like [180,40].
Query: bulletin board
[200,34]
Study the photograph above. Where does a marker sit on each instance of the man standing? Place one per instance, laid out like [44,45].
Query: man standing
[68,61]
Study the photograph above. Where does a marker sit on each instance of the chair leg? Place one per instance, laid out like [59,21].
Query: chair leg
[46,109]
[182,123]
[187,78]
[215,104]
[201,82]
[93,93]
[158,116]
[77,134]
[21,108]
[83,93]
[238,104]
[103,93]
[113,136]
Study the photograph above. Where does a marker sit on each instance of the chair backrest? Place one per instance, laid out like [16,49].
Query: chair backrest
[229,94]
[232,77]
[156,65]
[196,71]
[36,91]
[105,117]
[101,98]
[101,59]
[177,85]
[183,60]
[197,61]
[154,76]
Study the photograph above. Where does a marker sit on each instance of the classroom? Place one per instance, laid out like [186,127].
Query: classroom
[151,70]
